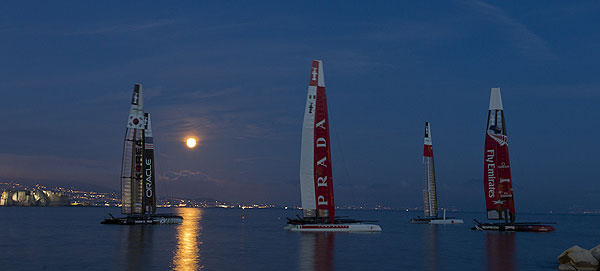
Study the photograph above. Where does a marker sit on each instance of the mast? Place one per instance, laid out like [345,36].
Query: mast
[497,177]
[132,164]
[316,183]
[429,187]
[149,184]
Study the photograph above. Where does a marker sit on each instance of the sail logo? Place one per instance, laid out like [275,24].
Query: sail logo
[321,181]
[503,165]
[138,157]
[134,121]
[500,139]
[321,124]
[491,173]
[135,98]
[314,74]
[148,178]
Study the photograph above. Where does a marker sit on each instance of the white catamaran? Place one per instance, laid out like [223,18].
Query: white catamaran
[138,181]
[429,187]
[316,180]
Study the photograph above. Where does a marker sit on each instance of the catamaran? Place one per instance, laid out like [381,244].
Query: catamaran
[429,187]
[138,181]
[498,188]
[316,180]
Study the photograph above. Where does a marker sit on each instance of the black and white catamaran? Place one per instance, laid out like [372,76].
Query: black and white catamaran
[138,181]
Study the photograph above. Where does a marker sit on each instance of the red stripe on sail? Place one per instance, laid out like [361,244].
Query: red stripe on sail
[427,150]
[497,178]
[314,74]
[322,168]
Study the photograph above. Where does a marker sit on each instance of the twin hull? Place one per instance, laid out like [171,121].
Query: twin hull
[446,221]
[512,227]
[335,228]
[145,220]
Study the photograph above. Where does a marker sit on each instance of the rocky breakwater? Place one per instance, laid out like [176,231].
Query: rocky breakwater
[578,258]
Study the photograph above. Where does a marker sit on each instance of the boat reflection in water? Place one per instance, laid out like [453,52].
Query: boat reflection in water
[430,242]
[500,251]
[187,253]
[138,246]
[316,251]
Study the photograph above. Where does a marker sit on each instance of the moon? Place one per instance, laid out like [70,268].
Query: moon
[191,142]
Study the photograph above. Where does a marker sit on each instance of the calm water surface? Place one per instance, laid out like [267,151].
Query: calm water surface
[71,238]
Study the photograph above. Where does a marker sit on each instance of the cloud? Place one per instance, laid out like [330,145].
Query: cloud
[201,94]
[217,114]
[54,168]
[253,159]
[121,28]
[173,176]
[421,31]
[123,95]
[528,42]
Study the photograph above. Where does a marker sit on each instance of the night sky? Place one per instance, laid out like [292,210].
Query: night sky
[235,74]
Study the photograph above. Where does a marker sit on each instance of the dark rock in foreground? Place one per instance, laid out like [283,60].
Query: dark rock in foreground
[578,258]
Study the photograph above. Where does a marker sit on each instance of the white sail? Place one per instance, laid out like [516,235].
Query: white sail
[307,154]
[131,169]
[496,99]
[136,112]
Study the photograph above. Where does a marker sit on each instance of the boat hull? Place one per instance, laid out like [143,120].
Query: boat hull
[446,221]
[144,220]
[334,228]
[436,221]
[523,227]
[420,220]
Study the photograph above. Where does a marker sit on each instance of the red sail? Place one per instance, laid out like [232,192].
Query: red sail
[427,150]
[497,178]
[323,177]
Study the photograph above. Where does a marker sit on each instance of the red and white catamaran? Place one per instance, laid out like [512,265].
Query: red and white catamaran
[316,180]
[497,178]
[429,187]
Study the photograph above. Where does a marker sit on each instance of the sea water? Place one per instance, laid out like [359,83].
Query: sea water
[72,238]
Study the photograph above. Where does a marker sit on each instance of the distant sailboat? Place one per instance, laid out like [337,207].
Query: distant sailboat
[316,180]
[429,187]
[498,188]
[138,182]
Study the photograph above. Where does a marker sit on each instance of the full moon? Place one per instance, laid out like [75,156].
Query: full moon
[191,142]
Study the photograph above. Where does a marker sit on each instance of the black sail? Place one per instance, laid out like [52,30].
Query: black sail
[149,185]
